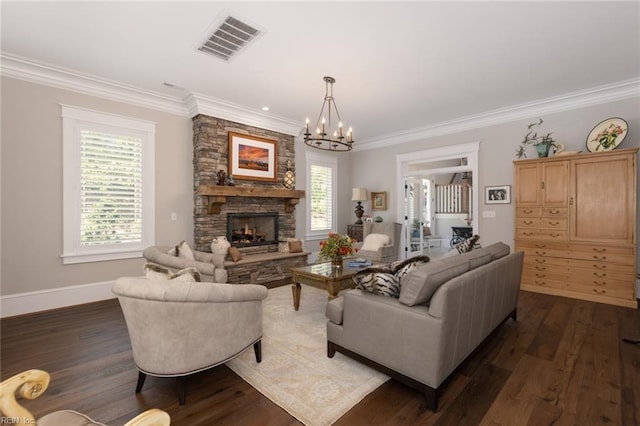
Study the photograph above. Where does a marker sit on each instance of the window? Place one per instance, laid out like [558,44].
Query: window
[109,191]
[321,187]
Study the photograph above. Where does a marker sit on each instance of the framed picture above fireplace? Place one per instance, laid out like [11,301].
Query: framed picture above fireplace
[252,157]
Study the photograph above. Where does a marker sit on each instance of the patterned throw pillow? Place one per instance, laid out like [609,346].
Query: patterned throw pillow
[378,281]
[157,272]
[386,280]
[467,245]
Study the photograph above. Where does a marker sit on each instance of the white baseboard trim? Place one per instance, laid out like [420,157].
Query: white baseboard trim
[35,301]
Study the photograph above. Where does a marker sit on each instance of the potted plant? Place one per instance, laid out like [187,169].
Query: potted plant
[542,143]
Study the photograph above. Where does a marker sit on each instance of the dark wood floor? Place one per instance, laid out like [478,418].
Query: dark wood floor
[562,362]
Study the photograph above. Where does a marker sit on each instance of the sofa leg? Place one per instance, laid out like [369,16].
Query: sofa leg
[514,314]
[141,378]
[257,349]
[432,398]
[331,349]
[182,389]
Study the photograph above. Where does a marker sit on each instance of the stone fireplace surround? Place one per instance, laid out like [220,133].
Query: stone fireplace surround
[212,203]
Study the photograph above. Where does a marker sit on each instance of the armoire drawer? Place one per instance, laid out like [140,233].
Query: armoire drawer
[542,234]
[528,211]
[618,255]
[593,265]
[554,212]
[541,253]
[617,289]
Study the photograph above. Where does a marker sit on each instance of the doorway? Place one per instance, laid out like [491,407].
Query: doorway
[440,197]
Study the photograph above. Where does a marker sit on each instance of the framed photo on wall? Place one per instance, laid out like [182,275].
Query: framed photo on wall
[497,194]
[379,200]
[252,157]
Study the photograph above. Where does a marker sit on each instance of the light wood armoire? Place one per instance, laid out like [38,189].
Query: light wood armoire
[576,223]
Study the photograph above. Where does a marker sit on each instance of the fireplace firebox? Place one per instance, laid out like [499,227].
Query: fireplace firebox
[252,229]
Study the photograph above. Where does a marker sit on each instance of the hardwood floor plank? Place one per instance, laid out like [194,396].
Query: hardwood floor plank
[561,363]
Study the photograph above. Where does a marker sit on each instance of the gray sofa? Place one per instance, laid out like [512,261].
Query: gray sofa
[445,310]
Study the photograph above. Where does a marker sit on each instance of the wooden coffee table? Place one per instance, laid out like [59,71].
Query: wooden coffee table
[322,275]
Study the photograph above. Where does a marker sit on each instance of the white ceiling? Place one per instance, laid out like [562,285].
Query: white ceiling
[398,65]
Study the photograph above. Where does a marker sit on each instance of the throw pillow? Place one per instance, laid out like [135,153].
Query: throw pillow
[184,251]
[235,254]
[160,273]
[380,281]
[467,245]
[295,246]
[402,267]
[373,242]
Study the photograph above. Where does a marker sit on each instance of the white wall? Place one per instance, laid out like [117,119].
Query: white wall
[375,169]
[32,191]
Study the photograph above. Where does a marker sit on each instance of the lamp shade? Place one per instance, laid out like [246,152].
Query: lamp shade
[359,194]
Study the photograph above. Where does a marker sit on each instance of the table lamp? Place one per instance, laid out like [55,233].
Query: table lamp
[359,195]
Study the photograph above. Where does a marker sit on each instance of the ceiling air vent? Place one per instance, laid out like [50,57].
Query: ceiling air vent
[229,38]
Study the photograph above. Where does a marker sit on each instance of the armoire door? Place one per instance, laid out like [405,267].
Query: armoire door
[602,200]
[527,185]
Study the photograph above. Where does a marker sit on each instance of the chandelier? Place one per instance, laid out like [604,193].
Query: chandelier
[326,137]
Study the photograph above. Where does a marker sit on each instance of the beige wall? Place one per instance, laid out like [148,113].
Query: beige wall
[376,169]
[32,187]
[31,179]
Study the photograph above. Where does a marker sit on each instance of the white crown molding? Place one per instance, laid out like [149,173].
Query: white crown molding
[189,105]
[598,95]
[192,104]
[201,104]
[40,73]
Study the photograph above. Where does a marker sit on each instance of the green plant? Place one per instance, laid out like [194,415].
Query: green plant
[532,138]
[336,245]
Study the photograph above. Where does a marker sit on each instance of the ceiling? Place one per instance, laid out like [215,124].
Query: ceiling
[398,65]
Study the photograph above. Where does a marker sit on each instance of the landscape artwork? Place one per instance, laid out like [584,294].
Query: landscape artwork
[252,157]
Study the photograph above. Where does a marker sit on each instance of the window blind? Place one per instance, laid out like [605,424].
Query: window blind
[110,188]
[321,198]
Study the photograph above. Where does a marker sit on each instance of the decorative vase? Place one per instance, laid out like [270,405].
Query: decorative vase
[220,245]
[543,149]
[289,180]
[336,261]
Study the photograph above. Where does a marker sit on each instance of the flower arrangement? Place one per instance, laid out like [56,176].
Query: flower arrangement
[542,143]
[336,246]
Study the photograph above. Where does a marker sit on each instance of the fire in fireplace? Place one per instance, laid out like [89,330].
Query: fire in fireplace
[252,229]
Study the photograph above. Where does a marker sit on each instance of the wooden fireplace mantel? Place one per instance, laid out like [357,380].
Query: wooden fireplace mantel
[218,194]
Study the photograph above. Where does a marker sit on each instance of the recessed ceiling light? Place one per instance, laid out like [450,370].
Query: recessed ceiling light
[265,108]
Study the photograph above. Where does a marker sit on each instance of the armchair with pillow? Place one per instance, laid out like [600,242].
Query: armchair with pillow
[380,241]
[210,265]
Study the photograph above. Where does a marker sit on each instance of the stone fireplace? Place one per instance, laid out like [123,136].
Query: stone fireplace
[219,210]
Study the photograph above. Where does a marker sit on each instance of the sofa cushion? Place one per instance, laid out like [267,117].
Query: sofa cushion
[498,250]
[419,285]
[67,418]
[373,242]
[477,258]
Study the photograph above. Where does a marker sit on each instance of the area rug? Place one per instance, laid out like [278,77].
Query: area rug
[295,371]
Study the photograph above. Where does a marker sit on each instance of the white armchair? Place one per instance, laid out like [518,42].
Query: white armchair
[384,253]
[210,266]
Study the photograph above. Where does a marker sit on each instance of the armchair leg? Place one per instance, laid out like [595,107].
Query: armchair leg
[257,349]
[141,378]
[182,389]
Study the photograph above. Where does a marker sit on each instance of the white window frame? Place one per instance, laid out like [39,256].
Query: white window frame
[75,119]
[315,159]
